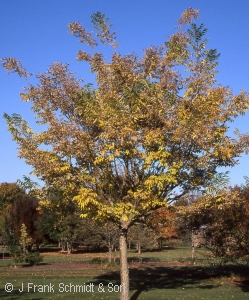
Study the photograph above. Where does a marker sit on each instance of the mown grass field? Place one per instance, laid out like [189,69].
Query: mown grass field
[167,274]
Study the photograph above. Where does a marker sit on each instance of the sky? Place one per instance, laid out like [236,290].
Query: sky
[36,33]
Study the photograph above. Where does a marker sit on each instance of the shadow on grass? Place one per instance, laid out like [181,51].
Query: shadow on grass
[4,256]
[165,248]
[132,259]
[149,278]
[49,249]
[26,265]
[16,295]
[243,284]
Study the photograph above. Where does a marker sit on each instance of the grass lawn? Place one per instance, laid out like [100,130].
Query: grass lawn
[168,274]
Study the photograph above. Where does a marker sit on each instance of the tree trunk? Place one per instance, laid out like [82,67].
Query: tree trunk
[110,254]
[69,247]
[110,248]
[63,245]
[193,254]
[124,272]
[139,247]
[160,244]
[193,247]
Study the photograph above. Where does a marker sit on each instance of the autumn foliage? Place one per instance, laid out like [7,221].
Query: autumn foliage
[223,218]
[122,146]
[163,223]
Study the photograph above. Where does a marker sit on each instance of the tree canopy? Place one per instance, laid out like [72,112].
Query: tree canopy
[150,125]
[9,192]
[223,217]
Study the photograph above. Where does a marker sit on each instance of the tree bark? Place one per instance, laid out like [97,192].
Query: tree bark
[193,254]
[110,254]
[160,244]
[124,272]
[110,248]
[139,247]
[63,245]
[193,246]
[69,247]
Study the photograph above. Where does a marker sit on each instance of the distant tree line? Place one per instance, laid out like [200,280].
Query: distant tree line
[218,221]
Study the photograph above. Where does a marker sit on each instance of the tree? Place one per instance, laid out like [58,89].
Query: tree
[222,217]
[109,234]
[23,211]
[20,249]
[163,223]
[18,227]
[29,186]
[24,240]
[141,235]
[122,147]
[60,218]
[193,215]
[9,192]
[18,208]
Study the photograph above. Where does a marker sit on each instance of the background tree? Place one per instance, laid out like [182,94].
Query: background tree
[122,148]
[24,240]
[110,236]
[18,225]
[163,223]
[18,208]
[29,186]
[192,221]
[20,249]
[142,236]
[223,217]
[187,230]
[9,193]
[23,211]
[60,218]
